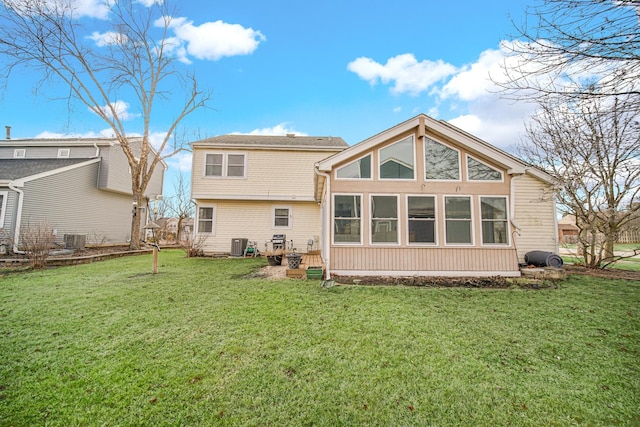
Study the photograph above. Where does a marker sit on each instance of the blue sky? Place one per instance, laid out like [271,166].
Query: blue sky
[347,68]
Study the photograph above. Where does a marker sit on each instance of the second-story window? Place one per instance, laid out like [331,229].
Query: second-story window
[230,165]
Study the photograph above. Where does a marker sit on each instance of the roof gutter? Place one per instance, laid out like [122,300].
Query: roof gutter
[325,243]
[18,224]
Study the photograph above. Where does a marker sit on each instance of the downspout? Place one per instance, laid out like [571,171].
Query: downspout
[18,224]
[325,226]
[512,211]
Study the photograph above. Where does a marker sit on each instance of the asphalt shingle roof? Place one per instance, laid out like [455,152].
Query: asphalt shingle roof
[11,169]
[269,141]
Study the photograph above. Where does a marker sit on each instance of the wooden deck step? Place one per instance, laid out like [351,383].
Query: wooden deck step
[312,259]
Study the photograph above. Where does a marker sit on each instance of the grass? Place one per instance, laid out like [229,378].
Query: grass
[203,343]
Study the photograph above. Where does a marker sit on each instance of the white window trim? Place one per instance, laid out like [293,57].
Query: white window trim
[63,153]
[487,165]
[213,221]
[225,164]
[19,153]
[3,207]
[508,220]
[335,175]
[273,217]
[333,220]
[435,220]
[424,161]
[472,219]
[379,165]
[398,220]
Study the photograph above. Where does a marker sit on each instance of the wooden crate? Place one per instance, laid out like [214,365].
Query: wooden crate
[297,273]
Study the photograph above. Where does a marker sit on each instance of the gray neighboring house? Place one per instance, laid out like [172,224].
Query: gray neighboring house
[78,186]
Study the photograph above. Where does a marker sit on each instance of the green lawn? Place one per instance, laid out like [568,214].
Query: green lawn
[204,343]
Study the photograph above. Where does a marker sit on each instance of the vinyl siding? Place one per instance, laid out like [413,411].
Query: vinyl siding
[115,174]
[71,204]
[270,175]
[253,220]
[535,213]
[51,152]
[423,261]
[9,214]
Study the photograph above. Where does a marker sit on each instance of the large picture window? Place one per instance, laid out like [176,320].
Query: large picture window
[384,219]
[358,169]
[397,160]
[225,165]
[205,219]
[458,220]
[478,171]
[440,161]
[347,218]
[421,212]
[494,220]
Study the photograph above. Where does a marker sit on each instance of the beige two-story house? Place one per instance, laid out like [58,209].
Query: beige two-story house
[250,188]
[425,198]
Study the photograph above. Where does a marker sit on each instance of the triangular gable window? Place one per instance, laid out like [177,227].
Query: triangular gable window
[358,169]
[441,162]
[478,171]
[397,160]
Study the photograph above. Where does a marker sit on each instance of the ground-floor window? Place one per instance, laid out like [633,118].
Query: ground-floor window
[462,220]
[347,210]
[494,220]
[384,219]
[281,217]
[421,217]
[457,212]
[205,219]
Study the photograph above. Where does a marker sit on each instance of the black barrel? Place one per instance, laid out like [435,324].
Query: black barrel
[543,259]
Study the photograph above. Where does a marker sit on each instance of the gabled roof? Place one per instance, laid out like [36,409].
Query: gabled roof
[28,169]
[442,129]
[287,142]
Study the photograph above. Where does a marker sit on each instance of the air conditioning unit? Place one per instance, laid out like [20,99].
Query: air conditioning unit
[238,246]
[75,241]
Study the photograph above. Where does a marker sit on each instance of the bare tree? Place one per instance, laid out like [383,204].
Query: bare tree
[576,48]
[592,148]
[36,240]
[132,58]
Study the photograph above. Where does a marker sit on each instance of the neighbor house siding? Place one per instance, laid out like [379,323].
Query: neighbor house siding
[9,214]
[49,152]
[253,220]
[115,173]
[534,213]
[103,216]
[270,175]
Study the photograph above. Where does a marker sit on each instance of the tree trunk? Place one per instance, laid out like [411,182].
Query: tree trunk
[138,203]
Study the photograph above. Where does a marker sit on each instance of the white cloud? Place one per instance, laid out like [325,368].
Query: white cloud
[150,3]
[119,107]
[407,74]
[105,133]
[278,130]
[108,38]
[180,162]
[474,81]
[211,40]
